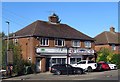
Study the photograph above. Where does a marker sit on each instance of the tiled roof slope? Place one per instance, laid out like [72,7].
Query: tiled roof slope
[47,29]
[108,37]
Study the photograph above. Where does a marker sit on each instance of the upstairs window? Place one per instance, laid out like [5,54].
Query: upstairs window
[113,47]
[59,42]
[76,43]
[15,41]
[87,44]
[44,42]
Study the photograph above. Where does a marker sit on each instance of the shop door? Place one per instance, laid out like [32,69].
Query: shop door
[38,65]
[47,64]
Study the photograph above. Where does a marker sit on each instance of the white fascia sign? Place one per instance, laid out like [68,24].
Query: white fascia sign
[64,50]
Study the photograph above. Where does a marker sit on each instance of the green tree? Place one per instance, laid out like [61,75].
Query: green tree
[104,55]
[116,60]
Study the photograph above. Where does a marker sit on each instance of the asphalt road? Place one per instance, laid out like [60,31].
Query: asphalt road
[106,75]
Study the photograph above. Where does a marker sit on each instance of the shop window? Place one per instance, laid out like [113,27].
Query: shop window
[72,60]
[54,61]
[76,43]
[44,42]
[87,44]
[59,42]
[78,59]
[58,60]
[63,60]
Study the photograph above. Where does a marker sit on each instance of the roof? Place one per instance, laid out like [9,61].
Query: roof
[107,37]
[47,29]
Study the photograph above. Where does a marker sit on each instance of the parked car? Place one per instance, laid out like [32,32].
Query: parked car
[112,66]
[87,65]
[2,73]
[102,66]
[66,68]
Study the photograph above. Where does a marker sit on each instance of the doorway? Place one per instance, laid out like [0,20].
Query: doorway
[38,64]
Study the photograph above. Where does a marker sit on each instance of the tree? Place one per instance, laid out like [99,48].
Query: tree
[108,56]
[104,55]
[116,60]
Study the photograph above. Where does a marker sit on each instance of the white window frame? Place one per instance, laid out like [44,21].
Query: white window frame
[113,47]
[56,44]
[46,43]
[15,40]
[78,43]
[87,44]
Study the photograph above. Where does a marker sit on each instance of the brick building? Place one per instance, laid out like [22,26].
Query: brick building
[108,39]
[45,43]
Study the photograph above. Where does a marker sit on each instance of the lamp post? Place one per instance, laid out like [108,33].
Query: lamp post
[67,47]
[67,59]
[7,41]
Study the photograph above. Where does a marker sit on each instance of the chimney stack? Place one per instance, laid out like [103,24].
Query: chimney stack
[112,29]
[53,18]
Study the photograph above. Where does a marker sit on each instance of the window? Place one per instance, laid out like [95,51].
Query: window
[44,42]
[113,47]
[58,60]
[87,44]
[74,60]
[54,60]
[59,42]
[78,59]
[15,41]
[76,43]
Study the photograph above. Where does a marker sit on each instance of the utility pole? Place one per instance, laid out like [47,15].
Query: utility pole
[67,60]
[7,41]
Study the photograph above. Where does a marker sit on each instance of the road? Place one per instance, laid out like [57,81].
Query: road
[106,75]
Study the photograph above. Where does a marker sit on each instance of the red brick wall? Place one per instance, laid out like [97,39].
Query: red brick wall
[98,47]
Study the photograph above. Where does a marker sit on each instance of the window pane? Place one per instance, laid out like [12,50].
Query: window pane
[59,60]
[63,60]
[41,41]
[78,59]
[87,44]
[55,42]
[72,60]
[113,47]
[76,43]
[46,41]
[54,60]
[59,42]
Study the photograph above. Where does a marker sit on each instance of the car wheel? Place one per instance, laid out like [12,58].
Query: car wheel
[58,72]
[79,72]
[89,69]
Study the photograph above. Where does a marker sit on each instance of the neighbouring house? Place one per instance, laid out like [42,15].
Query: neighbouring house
[50,42]
[108,39]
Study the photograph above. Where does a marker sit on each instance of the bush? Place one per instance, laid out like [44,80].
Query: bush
[23,67]
[116,60]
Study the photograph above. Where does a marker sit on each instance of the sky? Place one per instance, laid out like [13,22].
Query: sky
[90,18]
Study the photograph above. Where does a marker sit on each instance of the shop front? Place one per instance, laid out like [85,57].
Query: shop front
[46,57]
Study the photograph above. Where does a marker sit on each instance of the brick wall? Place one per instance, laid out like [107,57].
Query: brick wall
[98,47]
